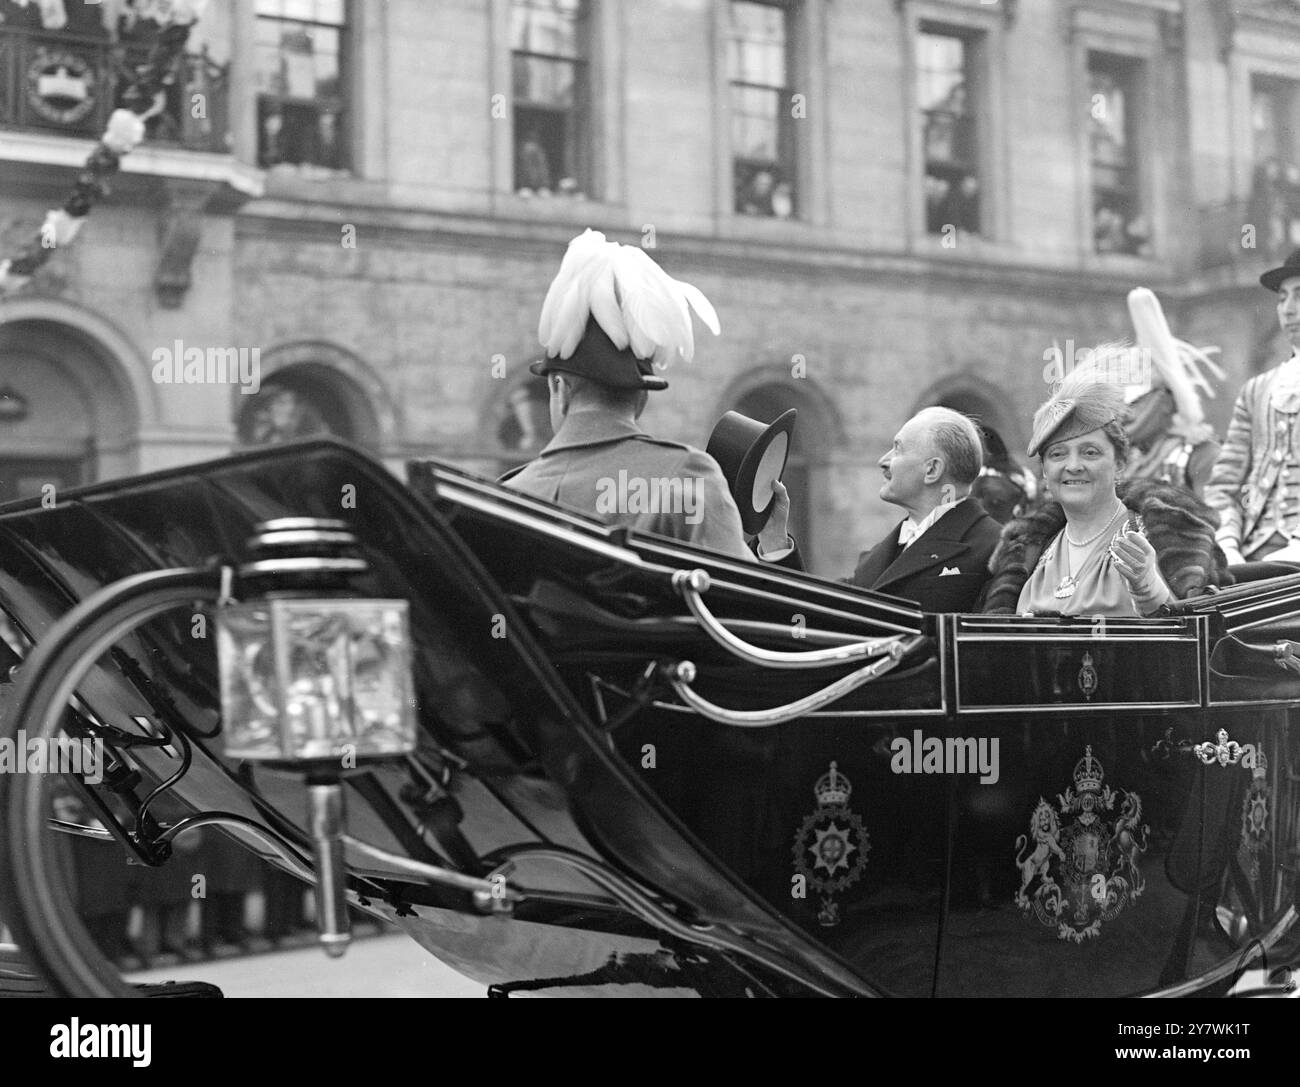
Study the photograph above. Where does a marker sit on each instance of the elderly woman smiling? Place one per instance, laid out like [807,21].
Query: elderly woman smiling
[1098,545]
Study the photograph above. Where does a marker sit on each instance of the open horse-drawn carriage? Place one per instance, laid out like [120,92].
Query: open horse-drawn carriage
[567,758]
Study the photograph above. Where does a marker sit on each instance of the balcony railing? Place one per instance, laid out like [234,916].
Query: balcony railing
[66,84]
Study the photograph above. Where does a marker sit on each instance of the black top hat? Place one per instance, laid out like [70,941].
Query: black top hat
[1272,279]
[751,455]
[596,357]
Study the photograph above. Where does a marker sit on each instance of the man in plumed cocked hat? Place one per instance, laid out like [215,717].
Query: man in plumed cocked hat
[1255,483]
[611,321]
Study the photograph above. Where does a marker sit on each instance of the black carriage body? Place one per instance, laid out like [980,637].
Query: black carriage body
[1012,807]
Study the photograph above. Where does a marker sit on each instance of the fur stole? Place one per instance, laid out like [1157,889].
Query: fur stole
[1179,525]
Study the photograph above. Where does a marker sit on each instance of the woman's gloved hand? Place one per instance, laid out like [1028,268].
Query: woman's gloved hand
[1138,565]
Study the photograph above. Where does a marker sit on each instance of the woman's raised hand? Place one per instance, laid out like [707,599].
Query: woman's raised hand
[1138,565]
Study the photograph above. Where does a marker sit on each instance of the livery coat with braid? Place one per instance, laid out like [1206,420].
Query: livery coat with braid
[1180,527]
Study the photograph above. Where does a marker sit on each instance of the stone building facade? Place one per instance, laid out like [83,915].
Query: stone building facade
[891,203]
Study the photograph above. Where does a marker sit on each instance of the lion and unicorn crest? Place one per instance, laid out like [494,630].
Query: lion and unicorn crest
[1079,861]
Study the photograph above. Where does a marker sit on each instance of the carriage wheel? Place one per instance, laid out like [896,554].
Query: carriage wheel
[35,901]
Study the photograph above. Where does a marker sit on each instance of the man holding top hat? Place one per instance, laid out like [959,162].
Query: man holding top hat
[1255,483]
[611,319]
[938,555]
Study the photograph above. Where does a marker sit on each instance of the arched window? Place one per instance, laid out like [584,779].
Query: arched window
[990,407]
[313,388]
[973,404]
[292,405]
[64,414]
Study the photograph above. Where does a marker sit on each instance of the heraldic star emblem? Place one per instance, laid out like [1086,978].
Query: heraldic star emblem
[1079,862]
[834,840]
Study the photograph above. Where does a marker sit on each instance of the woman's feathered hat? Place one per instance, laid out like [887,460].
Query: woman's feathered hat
[1087,398]
[613,315]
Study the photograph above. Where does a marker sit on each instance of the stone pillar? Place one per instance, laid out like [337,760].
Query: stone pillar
[243,81]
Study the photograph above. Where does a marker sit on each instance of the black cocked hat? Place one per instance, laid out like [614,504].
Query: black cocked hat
[596,357]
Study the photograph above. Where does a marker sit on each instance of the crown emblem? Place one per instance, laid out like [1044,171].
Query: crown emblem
[1088,773]
[61,84]
[832,789]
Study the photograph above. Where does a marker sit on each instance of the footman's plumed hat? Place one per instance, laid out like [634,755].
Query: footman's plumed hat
[613,315]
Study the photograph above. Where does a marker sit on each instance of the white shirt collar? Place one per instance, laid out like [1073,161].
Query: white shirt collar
[910,530]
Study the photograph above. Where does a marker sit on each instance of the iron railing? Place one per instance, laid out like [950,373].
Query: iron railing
[68,84]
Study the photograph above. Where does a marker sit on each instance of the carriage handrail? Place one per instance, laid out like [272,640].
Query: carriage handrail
[691,586]
[682,674]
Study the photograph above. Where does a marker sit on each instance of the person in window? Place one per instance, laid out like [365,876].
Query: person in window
[936,203]
[783,200]
[1096,545]
[1137,236]
[961,207]
[756,197]
[327,130]
[272,126]
[534,169]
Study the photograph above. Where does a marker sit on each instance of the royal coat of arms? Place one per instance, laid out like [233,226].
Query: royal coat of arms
[1079,862]
[831,844]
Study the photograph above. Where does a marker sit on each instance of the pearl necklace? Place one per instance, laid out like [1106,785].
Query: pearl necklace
[1098,536]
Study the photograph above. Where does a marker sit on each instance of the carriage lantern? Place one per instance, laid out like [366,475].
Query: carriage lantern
[315,678]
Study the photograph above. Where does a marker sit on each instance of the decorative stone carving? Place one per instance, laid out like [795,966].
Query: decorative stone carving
[179,231]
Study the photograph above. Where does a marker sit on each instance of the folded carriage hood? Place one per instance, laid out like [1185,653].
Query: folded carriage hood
[447,544]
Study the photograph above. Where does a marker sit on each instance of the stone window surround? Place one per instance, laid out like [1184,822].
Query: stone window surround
[362,142]
[1256,48]
[985,26]
[1134,30]
[806,75]
[606,189]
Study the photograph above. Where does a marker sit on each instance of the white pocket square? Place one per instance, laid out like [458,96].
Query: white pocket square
[949,570]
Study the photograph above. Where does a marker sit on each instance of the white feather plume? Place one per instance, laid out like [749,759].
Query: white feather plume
[636,302]
[1182,366]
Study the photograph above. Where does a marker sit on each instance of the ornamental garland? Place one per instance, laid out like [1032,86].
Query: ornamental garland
[126,129]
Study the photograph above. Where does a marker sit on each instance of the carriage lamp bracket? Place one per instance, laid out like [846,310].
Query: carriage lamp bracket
[642,692]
